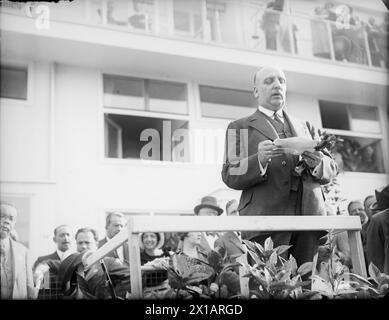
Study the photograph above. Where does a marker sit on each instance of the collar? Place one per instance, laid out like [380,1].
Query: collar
[63,254]
[270,113]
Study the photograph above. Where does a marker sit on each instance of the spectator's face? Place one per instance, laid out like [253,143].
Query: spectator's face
[7,220]
[86,241]
[62,238]
[368,202]
[270,88]
[150,240]
[116,224]
[232,210]
[357,209]
[193,238]
[207,212]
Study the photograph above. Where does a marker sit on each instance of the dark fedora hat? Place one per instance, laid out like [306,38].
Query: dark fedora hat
[382,201]
[208,202]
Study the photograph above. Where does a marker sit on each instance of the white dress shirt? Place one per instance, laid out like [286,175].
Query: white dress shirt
[63,254]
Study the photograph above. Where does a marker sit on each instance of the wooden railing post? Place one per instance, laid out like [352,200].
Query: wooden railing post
[357,256]
[134,257]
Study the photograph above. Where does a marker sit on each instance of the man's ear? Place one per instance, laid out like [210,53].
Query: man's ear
[256,93]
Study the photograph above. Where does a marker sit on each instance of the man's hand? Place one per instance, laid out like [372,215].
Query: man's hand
[267,150]
[312,159]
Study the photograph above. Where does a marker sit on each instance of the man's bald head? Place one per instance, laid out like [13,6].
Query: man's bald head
[270,88]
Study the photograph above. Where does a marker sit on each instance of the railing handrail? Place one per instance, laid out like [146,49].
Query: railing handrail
[240,223]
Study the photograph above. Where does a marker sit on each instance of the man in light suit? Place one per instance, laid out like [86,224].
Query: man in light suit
[115,222]
[16,272]
[273,181]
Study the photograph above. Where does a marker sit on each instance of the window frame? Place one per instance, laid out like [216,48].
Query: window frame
[142,113]
[29,66]
[358,134]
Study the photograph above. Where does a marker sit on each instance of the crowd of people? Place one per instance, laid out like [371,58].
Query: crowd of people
[23,281]
[281,167]
[347,30]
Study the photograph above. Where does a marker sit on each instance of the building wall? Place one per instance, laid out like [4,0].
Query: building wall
[57,144]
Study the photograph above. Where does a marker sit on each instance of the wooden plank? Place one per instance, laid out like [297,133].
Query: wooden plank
[112,244]
[244,281]
[356,250]
[134,257]
[246,223]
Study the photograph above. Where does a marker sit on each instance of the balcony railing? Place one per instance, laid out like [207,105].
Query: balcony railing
[237,24]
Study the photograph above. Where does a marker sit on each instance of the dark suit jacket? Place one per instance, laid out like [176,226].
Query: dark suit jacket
[378,241]
[231,243]
[55,291]
[114,253]
[269,194]
[52,256]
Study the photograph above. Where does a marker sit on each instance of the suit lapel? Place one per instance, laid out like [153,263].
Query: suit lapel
[298,128]
[260,122]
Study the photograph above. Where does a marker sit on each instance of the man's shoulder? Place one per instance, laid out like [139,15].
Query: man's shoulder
[102,242]
[242,122]
[19,247]
[51,256]
[382,216]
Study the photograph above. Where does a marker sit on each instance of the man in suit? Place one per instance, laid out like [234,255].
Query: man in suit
[208,207]
[115,222]
[62,240]
[274,181]
[378,232]
[231,241]
[16,272]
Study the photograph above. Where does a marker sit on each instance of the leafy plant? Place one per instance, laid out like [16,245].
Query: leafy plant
[274,277]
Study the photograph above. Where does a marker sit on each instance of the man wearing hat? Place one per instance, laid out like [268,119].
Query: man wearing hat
[378,231]
[208,207]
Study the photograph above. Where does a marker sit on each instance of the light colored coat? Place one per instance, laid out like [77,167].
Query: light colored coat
[22,273]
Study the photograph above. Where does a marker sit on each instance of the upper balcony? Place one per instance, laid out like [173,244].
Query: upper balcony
[276,28]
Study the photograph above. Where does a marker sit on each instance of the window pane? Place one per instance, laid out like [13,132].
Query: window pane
[334,115]
[14,83]
[123,92]
[364,119]
[117,13]
[188,17]
[153,149]
[226,103]
[167,97]
[113,139]
[360,155]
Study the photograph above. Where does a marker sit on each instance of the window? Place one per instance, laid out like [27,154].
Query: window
[226,103]
[147,138]
[134,14]
[14,82]
[359,154]
[144,94]
[359,128]
[187,17]
[342,116]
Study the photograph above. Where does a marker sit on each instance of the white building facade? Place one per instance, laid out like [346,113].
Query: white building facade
[82,81]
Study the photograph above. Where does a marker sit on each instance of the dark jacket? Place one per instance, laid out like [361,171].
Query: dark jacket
[378,241]
[269,194]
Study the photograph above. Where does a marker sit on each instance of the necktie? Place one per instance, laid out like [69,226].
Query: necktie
[277,118]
